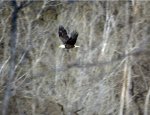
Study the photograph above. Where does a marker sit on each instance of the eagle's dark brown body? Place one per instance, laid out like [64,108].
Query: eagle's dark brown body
[67,46]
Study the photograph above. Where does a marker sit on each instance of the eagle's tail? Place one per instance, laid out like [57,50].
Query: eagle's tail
[62,46]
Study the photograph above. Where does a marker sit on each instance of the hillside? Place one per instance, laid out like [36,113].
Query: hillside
[108,75]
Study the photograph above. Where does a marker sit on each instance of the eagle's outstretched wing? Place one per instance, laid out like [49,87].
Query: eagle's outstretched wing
[73,38]
[63,34]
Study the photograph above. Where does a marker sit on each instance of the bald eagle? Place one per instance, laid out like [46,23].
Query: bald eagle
[68,42]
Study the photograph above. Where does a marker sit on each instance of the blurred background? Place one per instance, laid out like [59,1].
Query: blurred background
[108,75]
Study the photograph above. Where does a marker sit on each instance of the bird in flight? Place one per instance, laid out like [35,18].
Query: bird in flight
[68,42]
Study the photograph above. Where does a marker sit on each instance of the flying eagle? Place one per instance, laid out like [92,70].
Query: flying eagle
[68,42]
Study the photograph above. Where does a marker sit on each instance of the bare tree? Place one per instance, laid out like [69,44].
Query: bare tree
[12,62]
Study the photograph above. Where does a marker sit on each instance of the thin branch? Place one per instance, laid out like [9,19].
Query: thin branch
[24,4]
[146,106]
[3,65]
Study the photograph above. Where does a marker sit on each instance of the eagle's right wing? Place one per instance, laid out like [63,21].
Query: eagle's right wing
[73,38]
[63,34]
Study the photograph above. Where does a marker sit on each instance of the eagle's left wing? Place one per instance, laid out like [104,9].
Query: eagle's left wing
[63,34]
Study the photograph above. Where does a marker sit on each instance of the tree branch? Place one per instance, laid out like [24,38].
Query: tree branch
[24,4]
[12,61]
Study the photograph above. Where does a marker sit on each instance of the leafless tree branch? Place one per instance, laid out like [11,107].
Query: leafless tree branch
[12,61]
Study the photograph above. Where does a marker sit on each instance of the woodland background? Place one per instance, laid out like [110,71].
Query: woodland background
[108,75]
